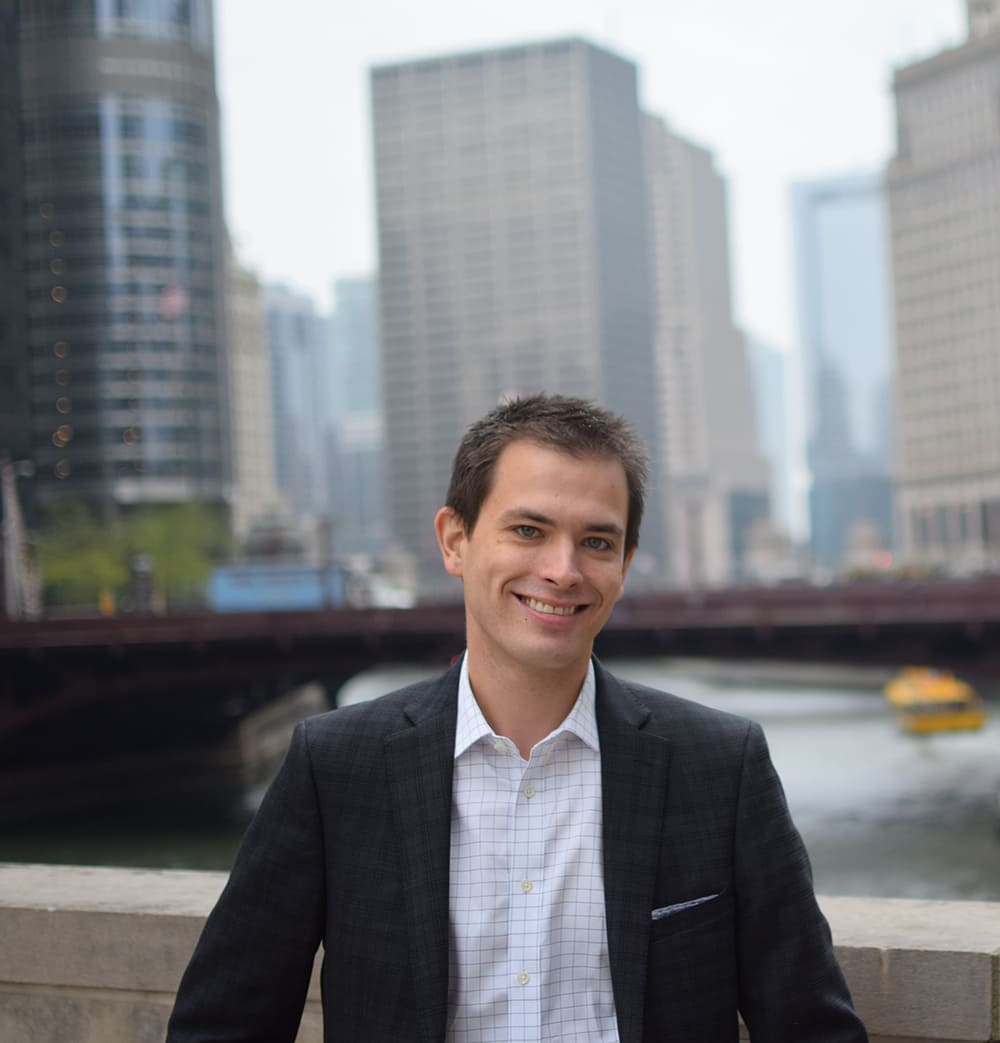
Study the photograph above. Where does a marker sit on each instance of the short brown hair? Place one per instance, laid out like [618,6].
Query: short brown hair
[570,425]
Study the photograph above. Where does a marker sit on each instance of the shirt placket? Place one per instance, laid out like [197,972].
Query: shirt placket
[526,904]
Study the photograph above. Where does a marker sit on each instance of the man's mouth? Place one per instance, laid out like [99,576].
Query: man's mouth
[552,610]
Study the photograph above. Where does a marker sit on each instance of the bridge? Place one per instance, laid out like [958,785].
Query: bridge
[151,684]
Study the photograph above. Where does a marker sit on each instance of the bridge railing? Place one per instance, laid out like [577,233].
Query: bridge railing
[94,955]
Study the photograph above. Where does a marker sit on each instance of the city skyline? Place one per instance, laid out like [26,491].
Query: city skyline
[139,151]
[514,258]
[799,114]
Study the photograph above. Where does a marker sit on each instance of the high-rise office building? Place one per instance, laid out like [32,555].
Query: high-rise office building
[717,480]
[354,348]
[513,256]
[944,203]
[301,395]
[15,440]
[357,488]
[110,171]
[842,289]
[255,495]
[773,422]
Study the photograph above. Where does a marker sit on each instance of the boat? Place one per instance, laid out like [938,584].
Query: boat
[928,700]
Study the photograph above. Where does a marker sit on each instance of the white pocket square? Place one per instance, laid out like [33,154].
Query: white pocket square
[669,910]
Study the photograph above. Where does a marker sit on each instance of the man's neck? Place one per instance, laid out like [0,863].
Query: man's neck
[524,706]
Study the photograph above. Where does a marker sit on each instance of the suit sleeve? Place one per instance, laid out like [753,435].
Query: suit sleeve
[791,988]
[248,977]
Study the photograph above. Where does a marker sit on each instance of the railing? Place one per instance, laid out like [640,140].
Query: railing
[972,603]
[95,955]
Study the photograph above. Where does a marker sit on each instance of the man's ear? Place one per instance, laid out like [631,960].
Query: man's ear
[451,538]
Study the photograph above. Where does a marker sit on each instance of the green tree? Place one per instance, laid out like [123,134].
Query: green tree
[184,541]
[79,557]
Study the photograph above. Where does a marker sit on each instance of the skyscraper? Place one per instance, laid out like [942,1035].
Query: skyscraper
[121,244]
[842,289]
[357,500]
[354,352]
[254,491]
[301,390]
[774,426]
[513,255]
[944,201]
[15,440]
[717,480]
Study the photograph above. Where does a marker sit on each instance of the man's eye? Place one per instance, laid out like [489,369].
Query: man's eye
[529,532]
[597,543]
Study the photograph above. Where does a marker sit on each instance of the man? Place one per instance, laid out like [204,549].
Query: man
[526,848]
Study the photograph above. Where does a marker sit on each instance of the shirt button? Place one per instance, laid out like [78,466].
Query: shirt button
[526,886]
[500,746]
[529,791]
[523,978]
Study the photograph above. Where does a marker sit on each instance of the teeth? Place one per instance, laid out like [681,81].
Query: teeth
[552,610]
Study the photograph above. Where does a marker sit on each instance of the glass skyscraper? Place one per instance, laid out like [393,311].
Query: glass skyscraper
[120,246]
[842,282]
[357,500]
[301,382]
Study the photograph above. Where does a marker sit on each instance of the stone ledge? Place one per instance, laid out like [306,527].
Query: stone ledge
[921,970]
[101,928]
[94,955]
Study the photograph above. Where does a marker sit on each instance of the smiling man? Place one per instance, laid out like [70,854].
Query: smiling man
[543,562]
[526,848]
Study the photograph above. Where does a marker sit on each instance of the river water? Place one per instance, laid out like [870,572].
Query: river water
[882,813]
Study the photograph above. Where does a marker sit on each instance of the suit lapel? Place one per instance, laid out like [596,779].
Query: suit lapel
[420,767]
[634,779]
[420,763]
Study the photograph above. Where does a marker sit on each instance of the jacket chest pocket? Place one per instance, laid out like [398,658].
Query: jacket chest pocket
[693,915]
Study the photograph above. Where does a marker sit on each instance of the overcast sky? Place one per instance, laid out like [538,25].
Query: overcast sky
[778,89]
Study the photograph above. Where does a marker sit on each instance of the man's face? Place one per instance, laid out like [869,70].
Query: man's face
[545,563]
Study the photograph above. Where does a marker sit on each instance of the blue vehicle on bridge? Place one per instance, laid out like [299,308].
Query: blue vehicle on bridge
[276,586]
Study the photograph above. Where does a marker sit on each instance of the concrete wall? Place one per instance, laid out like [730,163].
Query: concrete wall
[93,955]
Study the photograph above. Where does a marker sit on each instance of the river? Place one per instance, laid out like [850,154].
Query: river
[882,813]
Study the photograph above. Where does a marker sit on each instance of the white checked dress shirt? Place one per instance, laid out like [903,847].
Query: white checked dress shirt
[529,948]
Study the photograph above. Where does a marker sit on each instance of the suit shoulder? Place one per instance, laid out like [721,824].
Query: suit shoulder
[677,716]
[383,714]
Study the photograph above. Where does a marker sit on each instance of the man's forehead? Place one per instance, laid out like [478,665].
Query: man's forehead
[527,464]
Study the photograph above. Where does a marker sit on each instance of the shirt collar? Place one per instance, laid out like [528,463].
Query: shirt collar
[472,726]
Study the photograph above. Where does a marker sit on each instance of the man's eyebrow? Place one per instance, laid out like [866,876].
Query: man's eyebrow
[525,514]
[522,514]
[606,527]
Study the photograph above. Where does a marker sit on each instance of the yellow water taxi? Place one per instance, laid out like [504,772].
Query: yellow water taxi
[928,700]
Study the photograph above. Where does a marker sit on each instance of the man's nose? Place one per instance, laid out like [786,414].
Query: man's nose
[561,565]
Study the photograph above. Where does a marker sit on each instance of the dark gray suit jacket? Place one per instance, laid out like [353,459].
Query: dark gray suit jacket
[351,848]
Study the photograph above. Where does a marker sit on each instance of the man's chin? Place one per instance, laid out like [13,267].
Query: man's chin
[553,657]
